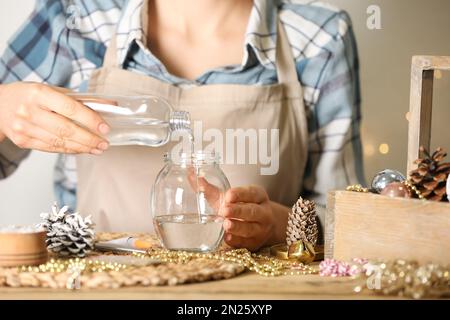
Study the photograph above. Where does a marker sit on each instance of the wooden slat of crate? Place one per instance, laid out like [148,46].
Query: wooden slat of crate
[421,103]
[378,227]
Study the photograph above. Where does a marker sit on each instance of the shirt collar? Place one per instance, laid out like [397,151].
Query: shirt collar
[131,27]
[261,32]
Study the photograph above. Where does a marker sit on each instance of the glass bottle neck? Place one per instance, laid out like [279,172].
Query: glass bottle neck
[199,158]
[180,121]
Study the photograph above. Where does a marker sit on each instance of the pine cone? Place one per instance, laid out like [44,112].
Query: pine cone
[302,223]
[431,175]
[68,234]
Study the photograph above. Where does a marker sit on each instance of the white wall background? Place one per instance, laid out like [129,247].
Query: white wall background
[29,191]
[409,27]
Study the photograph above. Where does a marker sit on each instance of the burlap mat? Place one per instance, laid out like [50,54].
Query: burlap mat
[198,270]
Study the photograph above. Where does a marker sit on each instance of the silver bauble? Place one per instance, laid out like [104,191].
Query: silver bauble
[385,177]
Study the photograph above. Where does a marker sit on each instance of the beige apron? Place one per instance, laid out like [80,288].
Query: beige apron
[115,187]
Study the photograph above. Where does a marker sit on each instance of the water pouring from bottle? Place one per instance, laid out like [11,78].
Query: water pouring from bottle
[185,210]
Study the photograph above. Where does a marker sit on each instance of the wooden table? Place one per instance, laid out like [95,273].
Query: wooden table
[245,286]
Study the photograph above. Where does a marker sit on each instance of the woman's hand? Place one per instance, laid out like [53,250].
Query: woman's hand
[37,116]
[250,218]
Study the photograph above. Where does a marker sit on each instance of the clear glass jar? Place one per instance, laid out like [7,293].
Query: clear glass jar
[448,188]
[136,120]
[185,202]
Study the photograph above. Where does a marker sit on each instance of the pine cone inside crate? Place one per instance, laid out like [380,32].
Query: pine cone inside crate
[68,234]
[431,175]
[302,223]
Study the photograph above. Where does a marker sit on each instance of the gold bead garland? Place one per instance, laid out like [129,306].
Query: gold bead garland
[357,188]
[412,187]
[262,265]
[59,265]
[75,267]
[407,183]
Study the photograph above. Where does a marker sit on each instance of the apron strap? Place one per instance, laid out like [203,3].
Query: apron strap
[110,58]
[285,62]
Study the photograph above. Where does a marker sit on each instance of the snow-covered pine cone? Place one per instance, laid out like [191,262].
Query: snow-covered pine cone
[68,234]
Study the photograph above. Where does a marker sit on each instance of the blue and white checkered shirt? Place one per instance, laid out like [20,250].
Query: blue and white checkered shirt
[64,41]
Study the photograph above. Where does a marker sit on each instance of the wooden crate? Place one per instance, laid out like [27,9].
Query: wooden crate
[377,227]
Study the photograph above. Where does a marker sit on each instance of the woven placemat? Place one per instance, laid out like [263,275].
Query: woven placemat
[196,270]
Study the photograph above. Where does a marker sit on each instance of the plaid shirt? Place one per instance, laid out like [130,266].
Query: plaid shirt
[64,41]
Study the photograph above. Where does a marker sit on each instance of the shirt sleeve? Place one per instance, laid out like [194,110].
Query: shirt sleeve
[335,156]
[38,53]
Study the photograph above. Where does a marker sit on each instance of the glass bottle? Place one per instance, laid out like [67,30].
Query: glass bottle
[185,201]
[137,120]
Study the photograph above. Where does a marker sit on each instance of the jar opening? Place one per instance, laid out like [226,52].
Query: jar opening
[193,158]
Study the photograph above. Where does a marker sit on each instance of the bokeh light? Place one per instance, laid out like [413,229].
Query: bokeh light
[384,148]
